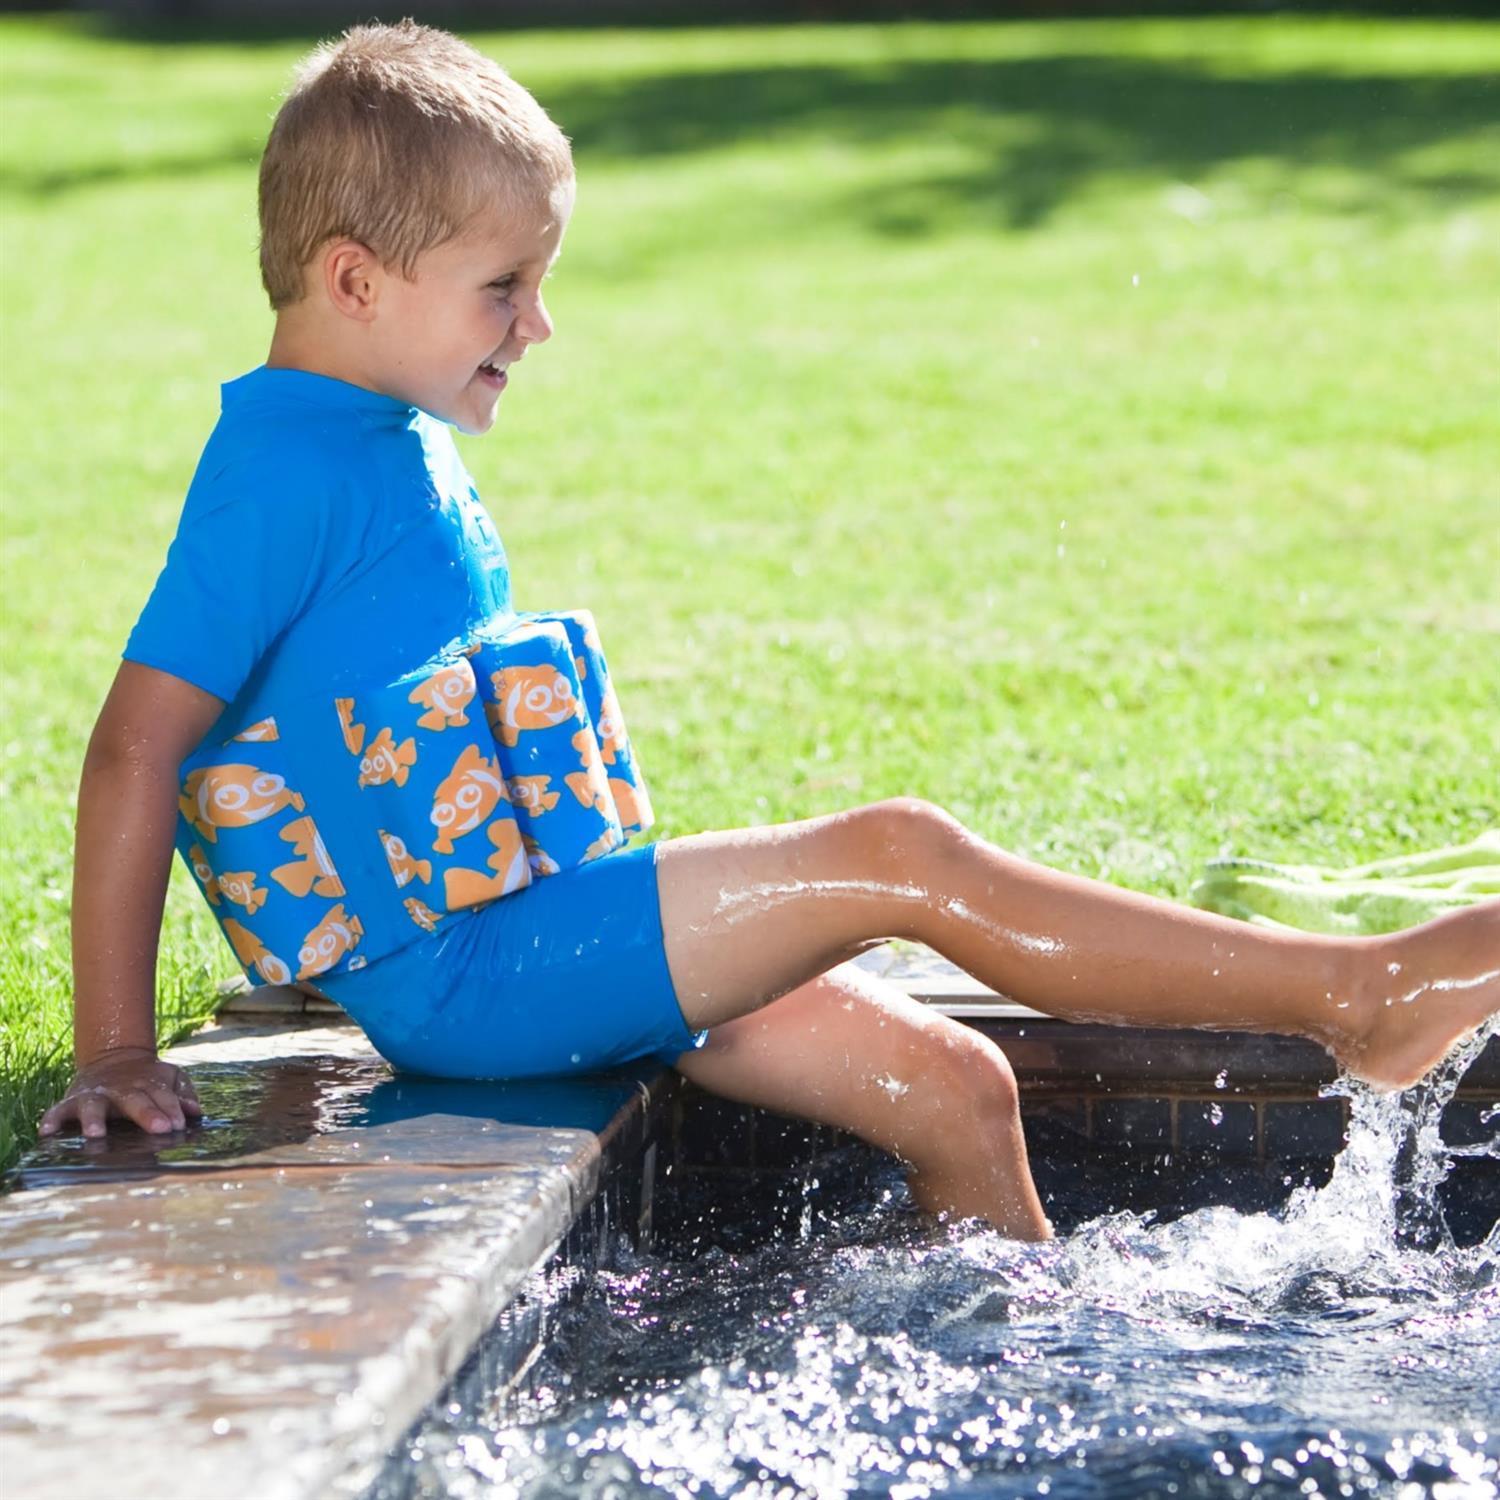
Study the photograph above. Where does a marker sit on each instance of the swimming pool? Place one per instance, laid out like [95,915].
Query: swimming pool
[1317,1327]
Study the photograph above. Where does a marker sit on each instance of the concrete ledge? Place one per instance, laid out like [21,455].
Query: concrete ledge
[260,1305]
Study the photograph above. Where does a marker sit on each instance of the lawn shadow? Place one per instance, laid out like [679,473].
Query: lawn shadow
[1042,130]
[1038,131]
[271,22]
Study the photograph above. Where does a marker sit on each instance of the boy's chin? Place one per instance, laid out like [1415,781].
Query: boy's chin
[471,428]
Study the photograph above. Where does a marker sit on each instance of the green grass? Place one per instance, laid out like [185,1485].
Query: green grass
[1088,426]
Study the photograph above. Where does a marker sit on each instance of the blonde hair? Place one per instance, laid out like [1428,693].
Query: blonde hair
[398,136]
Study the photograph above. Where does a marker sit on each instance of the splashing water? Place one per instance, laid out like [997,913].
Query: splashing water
[1340,1345]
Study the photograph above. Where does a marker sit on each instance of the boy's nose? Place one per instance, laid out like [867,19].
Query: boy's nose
[535,324]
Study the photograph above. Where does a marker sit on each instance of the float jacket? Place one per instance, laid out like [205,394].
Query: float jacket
[399,745]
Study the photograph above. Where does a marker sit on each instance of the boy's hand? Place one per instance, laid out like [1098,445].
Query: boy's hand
[131,1083]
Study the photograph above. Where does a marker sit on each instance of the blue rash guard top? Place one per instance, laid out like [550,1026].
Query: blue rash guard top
[398,745]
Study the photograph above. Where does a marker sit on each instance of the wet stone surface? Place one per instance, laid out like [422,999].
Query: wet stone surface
[248,1306]
[273,1321]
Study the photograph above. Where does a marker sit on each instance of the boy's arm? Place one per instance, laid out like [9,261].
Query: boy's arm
[127,818]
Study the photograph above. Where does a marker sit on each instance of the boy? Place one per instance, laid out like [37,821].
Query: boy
[332,554]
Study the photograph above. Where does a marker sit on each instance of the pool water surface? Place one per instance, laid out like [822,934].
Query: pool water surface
[1326,1336]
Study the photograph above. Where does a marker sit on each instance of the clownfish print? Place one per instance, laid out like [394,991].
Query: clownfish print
[611,727]
[633,803]
[445,695]
[387,761]
[528,698]
[403,866]
[602,845]
[233,796]
[465,797]
[581,666]
[530,794]
[540,861]
[241,888]
[206,877]
[513,870]
[265,730]
[333,937]
[422,914]
[354,734]
[253,954]
[313,870]
[591,787]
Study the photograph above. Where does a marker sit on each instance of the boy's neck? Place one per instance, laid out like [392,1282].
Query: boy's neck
[296,347]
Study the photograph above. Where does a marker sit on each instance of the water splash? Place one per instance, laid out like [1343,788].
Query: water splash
[1342,1344]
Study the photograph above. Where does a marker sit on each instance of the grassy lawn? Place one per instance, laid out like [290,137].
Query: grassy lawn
[1088,426]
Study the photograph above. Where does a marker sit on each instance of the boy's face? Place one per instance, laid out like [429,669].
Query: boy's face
[444,340]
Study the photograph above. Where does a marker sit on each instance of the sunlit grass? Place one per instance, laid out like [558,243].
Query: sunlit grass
[1087,426]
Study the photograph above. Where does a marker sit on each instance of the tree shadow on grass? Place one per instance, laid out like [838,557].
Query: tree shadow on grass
[1038,131]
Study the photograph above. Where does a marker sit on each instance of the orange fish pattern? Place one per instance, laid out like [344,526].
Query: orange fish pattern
[422,914]
[531,793]
[354,734]
[240,887]
[333,937]
[253,954]
[264,730]
[207,880]
[504,761]
[231,797]
[465,797]
[387,761]
[403,866]
[464,887]
[445,695]
[313,870]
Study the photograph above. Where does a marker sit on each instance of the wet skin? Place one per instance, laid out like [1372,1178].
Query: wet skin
[755,919]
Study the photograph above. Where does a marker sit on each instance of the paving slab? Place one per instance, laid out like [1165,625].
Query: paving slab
[262,1335]
[260,1304]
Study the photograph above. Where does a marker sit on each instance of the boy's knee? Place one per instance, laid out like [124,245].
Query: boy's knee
[907,830]
[984,1078]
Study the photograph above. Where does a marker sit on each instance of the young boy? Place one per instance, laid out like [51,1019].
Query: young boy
[329,610]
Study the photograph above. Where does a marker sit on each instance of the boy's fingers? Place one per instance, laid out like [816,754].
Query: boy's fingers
[142,1106]
[92,1114]
[187,1094]
[169,1108]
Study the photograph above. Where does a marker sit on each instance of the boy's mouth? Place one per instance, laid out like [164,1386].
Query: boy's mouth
[494,376]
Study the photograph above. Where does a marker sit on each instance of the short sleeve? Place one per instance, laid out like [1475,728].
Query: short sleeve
[252,547]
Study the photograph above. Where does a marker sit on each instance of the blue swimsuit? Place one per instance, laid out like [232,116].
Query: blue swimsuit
[415,798]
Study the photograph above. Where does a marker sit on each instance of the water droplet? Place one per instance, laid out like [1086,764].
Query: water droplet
[1223,1079]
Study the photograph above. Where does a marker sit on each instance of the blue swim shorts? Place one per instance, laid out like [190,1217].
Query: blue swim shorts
[566,976]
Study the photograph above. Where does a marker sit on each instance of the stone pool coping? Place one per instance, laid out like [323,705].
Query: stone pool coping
[261,1306]
[267,1323]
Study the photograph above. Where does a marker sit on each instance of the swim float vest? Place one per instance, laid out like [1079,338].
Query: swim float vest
[342,828]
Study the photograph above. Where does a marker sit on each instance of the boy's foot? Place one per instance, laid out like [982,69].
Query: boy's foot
[1428,989]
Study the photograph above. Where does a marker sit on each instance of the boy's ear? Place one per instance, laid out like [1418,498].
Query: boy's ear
[352,274]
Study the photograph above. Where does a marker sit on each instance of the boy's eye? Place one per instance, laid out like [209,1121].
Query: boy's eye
[504,284]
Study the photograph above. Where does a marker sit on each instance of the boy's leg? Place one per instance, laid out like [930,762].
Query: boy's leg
[849,1050]
[751,914]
